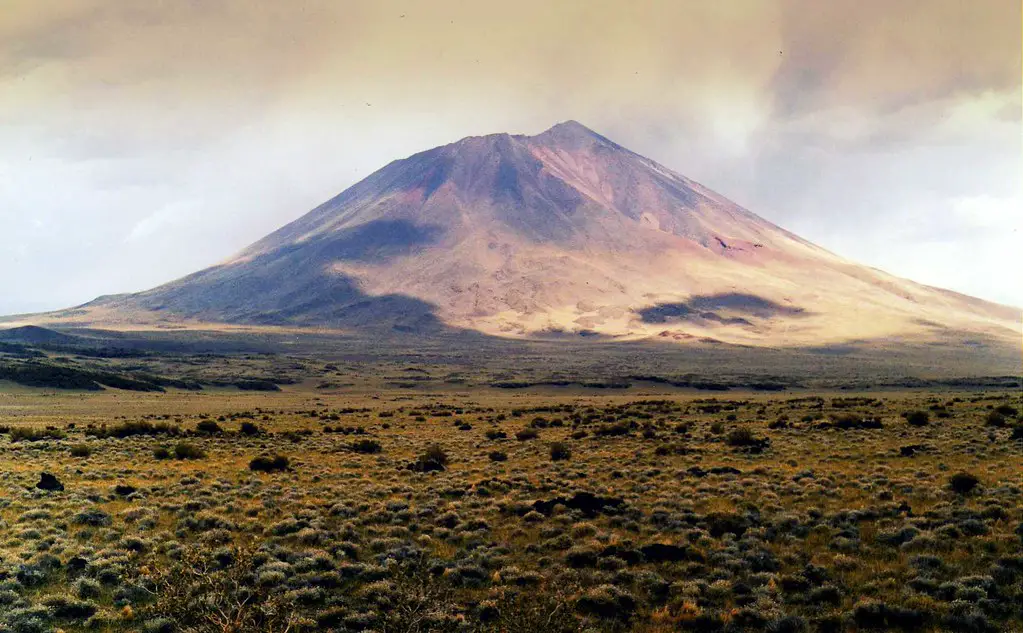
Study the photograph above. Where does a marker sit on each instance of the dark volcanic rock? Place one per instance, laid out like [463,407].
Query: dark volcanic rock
[49,482]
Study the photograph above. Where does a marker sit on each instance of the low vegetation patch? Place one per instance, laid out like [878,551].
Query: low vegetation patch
[307,510]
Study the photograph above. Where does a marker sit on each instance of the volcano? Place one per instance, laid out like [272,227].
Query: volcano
[564,232]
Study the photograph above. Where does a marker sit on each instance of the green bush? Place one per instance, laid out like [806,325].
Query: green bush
[187,450]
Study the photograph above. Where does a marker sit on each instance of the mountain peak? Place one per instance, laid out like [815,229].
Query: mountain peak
[568,134]
[572,134]
[570,126]
[564,230]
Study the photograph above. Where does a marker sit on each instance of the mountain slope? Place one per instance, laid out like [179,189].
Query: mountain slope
[562,231]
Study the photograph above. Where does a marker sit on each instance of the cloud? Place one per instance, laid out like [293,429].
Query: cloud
[884,55]
[140,141]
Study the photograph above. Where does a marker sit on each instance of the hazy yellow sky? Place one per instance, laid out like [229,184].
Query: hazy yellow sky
[142,140]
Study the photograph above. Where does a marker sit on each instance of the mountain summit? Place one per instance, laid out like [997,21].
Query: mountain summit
[564,231]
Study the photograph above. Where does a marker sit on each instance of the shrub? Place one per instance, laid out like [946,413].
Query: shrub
[996,419]
[434,458]
[717,428]
[159,625]
[366,446]
[613,430]
[81,450]
[671,449]
[495,434]
[498,456]
[87,588]
[850,421]
[581,556]
[917,418]
[267,464]
[876,615]
[186,450]
[130,429]
[527,434]
[161,452]
[248,428]
[606,601]
[209,427]
[741,437]
[560,451]
[963,483]
[92,516]
[66,607]
[190,594]
[27,434]
[790,624]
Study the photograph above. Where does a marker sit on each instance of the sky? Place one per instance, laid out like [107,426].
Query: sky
[141,141]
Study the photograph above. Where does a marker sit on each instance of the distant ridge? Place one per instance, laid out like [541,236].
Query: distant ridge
[34,335]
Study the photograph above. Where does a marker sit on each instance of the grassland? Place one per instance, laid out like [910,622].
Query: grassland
[533,509]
